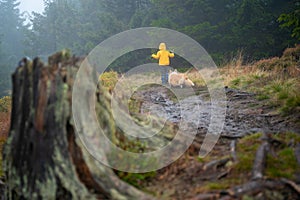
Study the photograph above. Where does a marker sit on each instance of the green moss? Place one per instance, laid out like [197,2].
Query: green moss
[246,158]
[288,137]
[250,138]
[284,165]
[217,186]
[200,159]
[134,106]
[136,179]
[220,185]
[109,79]
[246,149]
[62,105]
[66,54]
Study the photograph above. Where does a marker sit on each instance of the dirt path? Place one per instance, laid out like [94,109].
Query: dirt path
[244,114]
[185,178]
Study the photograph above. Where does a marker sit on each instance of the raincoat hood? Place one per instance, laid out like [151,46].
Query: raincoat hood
[162,46]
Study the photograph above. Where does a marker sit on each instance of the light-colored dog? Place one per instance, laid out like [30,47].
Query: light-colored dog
[177,79]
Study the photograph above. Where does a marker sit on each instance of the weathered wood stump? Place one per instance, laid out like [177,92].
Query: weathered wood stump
[43,157]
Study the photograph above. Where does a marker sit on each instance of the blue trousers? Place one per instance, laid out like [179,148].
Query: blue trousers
[164,71]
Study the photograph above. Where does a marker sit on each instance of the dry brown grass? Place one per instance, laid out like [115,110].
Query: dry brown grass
[285,67]
[275,79]
[5,109]
[4,124]
[5,105]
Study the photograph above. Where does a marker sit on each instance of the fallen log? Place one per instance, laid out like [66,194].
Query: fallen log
[43,157]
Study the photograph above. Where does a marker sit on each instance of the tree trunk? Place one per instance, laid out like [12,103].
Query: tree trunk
[43,157]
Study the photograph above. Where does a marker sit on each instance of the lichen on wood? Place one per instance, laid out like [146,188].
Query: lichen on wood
[43,156]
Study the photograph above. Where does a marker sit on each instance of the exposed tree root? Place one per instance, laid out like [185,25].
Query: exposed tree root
[260,159]
[233,150]
[216,164]
[258,183]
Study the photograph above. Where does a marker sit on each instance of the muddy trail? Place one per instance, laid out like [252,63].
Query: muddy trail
[244,114]
[187,177]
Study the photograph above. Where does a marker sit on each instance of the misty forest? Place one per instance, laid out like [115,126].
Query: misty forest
[255,46]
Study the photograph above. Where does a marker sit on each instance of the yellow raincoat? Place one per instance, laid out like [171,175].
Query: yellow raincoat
[163,55]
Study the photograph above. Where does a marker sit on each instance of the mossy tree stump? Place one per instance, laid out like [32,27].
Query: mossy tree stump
[43,157]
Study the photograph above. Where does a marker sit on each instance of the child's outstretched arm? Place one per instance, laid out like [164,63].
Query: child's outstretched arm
[155,56]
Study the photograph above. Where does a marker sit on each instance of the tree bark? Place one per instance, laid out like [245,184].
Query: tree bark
[43,157]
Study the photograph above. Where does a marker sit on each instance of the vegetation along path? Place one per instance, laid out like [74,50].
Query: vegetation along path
[245,114]
[230,163]
[256,157]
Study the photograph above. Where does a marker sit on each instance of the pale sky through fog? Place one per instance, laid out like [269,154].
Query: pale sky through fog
[31,5]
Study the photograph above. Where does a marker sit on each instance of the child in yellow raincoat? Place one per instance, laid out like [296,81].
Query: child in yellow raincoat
[163,56]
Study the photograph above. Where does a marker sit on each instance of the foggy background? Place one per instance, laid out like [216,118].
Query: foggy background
[31,5]
[224,28]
